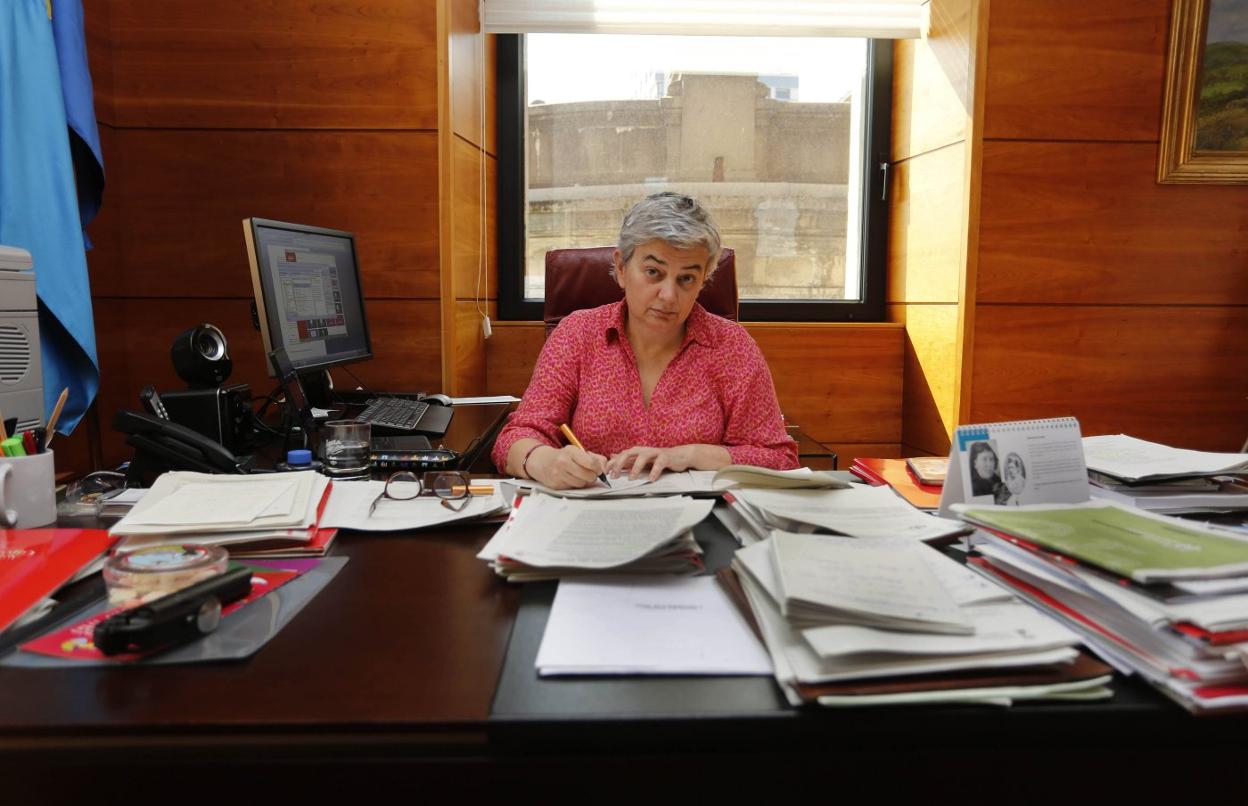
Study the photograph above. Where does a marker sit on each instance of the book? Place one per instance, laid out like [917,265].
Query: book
[929,469]
[34,563]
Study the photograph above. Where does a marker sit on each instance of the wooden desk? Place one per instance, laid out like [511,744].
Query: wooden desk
[388,677]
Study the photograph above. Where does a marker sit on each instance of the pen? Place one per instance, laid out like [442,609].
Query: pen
[572,440]
[28,442]
[56,415]
[4,432]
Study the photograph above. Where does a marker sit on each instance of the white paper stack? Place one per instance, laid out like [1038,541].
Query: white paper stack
[271,511]
[548,537]
[976,644]
[647,625]
[857,511]
[1158,478]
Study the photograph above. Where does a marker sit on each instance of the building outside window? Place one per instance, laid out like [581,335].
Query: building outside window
[773,135]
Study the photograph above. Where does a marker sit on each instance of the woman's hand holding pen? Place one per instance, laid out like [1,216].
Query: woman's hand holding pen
[565,468]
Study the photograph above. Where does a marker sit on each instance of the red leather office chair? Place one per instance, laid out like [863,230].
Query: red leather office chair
[580,278]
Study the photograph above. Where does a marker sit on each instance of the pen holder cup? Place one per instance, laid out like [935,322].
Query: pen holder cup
[27,491]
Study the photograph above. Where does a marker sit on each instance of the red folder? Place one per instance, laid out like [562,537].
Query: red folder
[35,562]
[895,474]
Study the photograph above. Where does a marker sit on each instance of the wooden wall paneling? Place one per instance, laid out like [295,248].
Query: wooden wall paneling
[470,356]
[105,257]
[183,195]
[926,227]
[97,25]
[472,74]
[1173,375]
[839,383]
[511,354]
[931,374]
[931,95]
[1086,222]
[472,278]
[973,173]
[280,64]
[1075,70]
[406,346]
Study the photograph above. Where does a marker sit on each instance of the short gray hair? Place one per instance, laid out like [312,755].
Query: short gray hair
[674,218]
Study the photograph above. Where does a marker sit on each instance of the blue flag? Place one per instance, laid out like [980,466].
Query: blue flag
[39,204]
[84,135]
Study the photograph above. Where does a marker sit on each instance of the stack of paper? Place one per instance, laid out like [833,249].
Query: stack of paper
[547,537]
[1150,594]
[858,622]
[262,515]
[1159,478]
[857,511]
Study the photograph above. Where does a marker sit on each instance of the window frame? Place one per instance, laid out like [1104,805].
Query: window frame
[873,246]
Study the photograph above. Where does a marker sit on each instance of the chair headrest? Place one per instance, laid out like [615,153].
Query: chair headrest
[581,278]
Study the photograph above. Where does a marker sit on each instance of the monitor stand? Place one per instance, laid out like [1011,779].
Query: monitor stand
[318,387]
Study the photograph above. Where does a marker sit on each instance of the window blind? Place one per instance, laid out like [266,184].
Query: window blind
[873,19]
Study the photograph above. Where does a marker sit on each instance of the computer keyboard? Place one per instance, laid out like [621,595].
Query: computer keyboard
[393,412]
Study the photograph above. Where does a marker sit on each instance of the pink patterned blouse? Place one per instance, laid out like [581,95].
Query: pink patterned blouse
[717,391]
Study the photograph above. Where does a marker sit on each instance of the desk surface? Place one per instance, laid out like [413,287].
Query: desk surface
[397,662]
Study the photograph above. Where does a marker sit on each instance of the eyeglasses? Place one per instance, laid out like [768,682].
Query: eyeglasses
[451,486]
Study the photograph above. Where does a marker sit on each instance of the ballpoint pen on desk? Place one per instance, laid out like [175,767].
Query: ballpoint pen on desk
[56,415]
[572,440]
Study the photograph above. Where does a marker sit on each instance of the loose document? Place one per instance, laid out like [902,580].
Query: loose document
[350,501]
[648,625]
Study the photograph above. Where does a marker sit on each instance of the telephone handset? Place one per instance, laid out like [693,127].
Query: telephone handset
[165,445]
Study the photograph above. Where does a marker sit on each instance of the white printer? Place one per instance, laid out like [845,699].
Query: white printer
[21,373]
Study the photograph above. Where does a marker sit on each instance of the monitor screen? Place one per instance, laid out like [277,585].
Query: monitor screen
[308,295]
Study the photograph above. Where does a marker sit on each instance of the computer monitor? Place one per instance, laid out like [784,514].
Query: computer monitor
[308,294]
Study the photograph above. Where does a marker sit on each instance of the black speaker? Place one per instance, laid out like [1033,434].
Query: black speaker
[223,414]
[201,357]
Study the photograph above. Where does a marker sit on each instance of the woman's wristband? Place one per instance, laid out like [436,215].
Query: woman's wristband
[524,465]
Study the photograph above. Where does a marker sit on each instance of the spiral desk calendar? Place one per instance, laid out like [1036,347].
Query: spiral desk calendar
[1015,463]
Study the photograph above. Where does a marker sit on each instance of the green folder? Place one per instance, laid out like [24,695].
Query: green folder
[1130,543]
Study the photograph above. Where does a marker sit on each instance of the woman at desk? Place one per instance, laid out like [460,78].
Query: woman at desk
[653,382]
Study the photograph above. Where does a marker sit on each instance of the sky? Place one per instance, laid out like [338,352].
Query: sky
[1228,21]
[563,67]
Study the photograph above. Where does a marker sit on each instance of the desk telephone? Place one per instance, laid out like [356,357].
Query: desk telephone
[165,445]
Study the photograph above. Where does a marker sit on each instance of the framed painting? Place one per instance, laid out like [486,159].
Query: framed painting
[1204,126]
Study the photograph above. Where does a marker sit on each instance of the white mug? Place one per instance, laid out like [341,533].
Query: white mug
[27,491]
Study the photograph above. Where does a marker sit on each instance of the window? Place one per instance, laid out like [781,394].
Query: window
[784,139]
